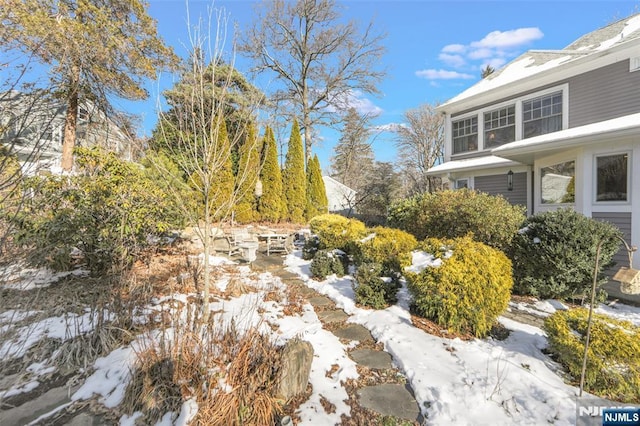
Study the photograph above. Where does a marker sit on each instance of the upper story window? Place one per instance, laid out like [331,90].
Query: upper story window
[465,135]
[500,126]
[542,115]
[612,177]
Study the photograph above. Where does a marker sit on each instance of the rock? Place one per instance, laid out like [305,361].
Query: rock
[354,332]
[390,400]
[372,359]
[296,366]
[331,316]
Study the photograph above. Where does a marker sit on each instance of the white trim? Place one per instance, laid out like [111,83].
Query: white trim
[634,63]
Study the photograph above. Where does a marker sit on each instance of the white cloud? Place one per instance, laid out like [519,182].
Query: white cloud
[509,39]
[482,53]
[355,99]
[455,61]
[390,127]
[454,48]
[432,74]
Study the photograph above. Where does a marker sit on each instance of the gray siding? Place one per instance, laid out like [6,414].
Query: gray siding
[622,221]
[597,95]
[497,185]
[603,94]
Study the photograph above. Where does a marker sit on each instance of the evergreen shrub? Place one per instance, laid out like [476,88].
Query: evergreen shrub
[468,291]
[451,214]
[311,246]
[108,212]
[613,364]
[336,232]
[327,262]
[372,289]
[388,247]
[554,254]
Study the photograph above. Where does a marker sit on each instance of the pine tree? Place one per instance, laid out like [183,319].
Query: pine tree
[246,209]
[294,179]
[317,202]
[270,205]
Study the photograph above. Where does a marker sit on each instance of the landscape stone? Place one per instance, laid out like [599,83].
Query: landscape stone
[33,409]
[390,400]
[354,332]
[332,315]
[296,366]
[372,358]
[320,301]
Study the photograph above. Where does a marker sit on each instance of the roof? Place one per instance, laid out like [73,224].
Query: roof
[524,150]
[535,62]
[342,186]
[477,163]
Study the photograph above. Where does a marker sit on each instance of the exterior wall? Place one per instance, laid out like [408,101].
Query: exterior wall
[497,185]
[341,198]
[603,94]
[622,221]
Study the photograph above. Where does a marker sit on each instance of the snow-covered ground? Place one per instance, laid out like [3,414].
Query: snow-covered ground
[482,381]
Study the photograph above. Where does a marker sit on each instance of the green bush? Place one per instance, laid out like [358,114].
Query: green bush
[613,364]
[327,262]
[107,211]
[311,246]
[468,290]
[451,214]
[372,289]
[335,231]
[554,254]
[388,247]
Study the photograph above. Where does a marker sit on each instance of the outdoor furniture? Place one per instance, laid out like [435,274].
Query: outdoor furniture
[237,241]
[278,243]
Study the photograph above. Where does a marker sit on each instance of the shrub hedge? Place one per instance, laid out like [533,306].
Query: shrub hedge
[335,231]
[327,262]
[389,247]
[451,214]
[613,364]
[372,289]
[553,254]
[468,291]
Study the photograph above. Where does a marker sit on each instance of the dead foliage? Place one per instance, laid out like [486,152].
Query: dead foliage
[231,374]
[434,329]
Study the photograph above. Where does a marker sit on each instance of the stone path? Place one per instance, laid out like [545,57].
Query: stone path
[396,400]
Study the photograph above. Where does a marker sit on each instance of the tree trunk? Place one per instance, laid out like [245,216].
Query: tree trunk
[70,121]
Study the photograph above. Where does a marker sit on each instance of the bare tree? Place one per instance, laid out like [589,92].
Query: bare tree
[420,142]
[200,144]
[321,61]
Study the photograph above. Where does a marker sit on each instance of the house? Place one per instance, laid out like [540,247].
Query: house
[556,128]
[342,199]
[32,127]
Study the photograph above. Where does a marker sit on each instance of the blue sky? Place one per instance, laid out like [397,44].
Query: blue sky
[435,49]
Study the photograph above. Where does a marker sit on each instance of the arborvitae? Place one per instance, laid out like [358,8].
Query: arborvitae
[317,202]
[221,189]
[271,206]
[246,209]
[294,179]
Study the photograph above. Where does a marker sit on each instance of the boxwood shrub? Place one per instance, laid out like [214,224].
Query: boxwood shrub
[554,254]
[613,364]
[468,291]
[451,214]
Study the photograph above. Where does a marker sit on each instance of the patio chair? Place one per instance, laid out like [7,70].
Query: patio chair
[280,244]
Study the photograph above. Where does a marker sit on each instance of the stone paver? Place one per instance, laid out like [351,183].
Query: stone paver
[354,332]
[330,316]
[320,301]
[390,400]
[33,409]
[371,358]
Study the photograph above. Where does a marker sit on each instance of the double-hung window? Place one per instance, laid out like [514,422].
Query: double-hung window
[500,126]
[542,115]
[611,177]
[465,135]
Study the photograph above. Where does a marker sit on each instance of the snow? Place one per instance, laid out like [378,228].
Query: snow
[477,382]
[632,25]
[22,278]
[421,260]
[472,163]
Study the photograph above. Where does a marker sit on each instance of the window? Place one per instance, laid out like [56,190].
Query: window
[611,175]
[542,115]
[499,126]
[462,183]
[558,183]
[465,135]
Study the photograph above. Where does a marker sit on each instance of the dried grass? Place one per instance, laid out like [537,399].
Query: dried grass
[231,374]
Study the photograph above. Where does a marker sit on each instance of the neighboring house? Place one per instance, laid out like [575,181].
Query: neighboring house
[556,128]
[341,198]
[32,127]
